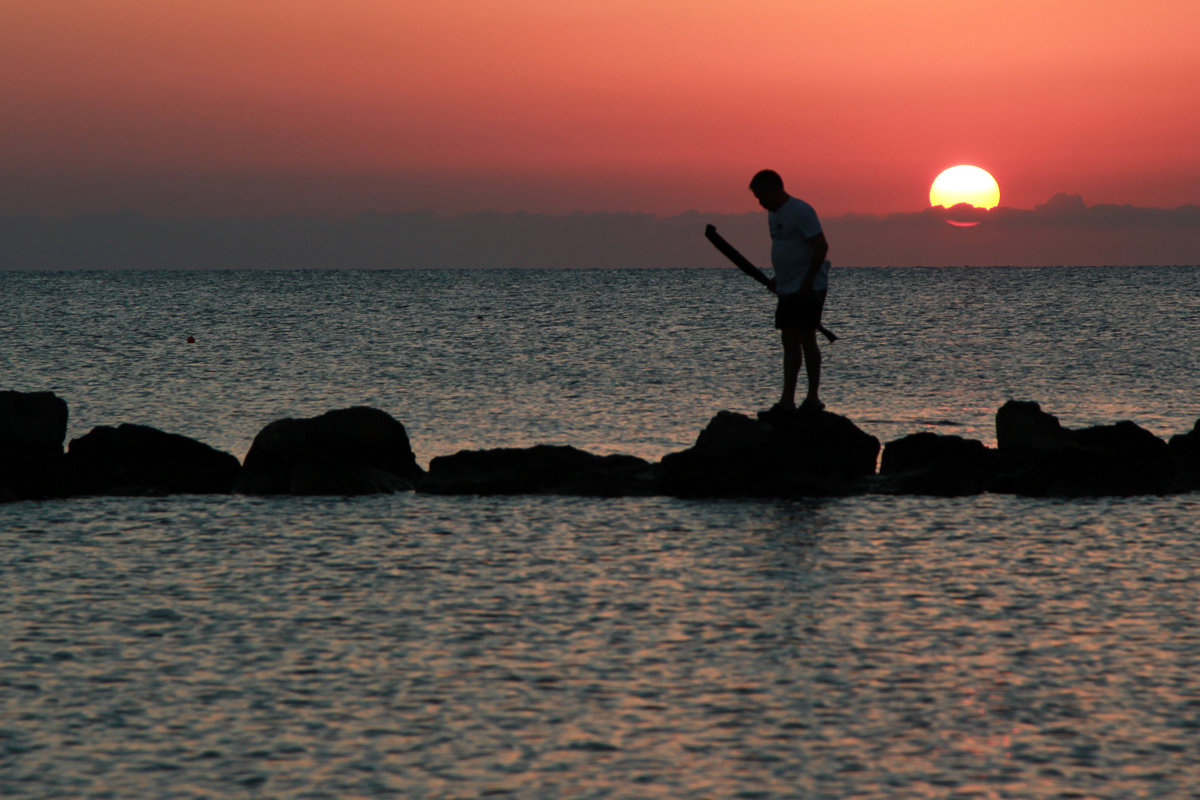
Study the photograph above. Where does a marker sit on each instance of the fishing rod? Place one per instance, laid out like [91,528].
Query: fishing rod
[744,264]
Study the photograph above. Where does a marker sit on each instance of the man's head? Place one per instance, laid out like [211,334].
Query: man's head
[767,186]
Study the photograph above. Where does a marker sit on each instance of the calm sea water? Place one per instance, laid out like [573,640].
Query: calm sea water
[414,646]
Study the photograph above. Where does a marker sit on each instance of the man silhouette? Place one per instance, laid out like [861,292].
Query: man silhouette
[798,250]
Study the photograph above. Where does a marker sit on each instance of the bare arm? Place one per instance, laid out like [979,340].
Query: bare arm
[820,249]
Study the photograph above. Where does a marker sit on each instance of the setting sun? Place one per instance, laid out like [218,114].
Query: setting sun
[964,184]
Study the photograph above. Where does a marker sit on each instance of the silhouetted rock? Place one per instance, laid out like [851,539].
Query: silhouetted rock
[1022,425]
[1186,447]
[314,477]
[776,455]
[349,451]
[1041,458]
[33,426]
[542,469]
[137,459]
[37,419]
[936,464]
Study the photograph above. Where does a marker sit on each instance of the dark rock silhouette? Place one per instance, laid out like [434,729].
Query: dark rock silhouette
[33,426]
[320,476]
[33,419]
[1186,447]
[542,469]
[137,459]
[936,464]
[776,455]
[1022,425]
[1041,458]
[349,451]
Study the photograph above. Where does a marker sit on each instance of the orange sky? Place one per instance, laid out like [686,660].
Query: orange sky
[270,106]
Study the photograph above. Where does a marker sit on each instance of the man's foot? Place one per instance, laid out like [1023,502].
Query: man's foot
[780,409]
[811,406]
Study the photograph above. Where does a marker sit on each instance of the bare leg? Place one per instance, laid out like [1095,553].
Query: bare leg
[812,363]
[793,355]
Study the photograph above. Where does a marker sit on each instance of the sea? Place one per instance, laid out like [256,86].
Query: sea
[416,646]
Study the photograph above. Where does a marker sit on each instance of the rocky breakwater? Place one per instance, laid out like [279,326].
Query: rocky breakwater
[363,450]
[1036,456]
[345,452]
[789,455]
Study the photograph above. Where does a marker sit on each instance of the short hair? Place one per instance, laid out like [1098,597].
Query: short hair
[766,179]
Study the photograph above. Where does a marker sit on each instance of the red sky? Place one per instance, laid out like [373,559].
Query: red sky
[232,107]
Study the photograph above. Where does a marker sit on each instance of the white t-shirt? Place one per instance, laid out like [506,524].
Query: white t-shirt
[791,226]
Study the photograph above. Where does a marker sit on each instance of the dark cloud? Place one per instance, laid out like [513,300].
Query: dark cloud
[1063,230]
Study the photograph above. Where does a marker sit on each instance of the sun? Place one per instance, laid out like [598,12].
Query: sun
[964,184]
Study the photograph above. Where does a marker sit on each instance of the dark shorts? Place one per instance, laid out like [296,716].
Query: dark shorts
[800,310]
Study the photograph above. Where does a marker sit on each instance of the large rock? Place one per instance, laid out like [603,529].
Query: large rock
[936,464]
[349,451]
[137,459]
[542,469]
[1041,458]
[33,426]
[1022,425]
[32,419]
[776,455]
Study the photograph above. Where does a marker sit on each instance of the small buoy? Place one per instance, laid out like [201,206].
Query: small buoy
[191,340]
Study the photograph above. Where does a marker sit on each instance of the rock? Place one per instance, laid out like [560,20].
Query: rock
[776,455]
[1186,447]
[1040,458]
[936,464]
[1127,441]
[1022,425]
[1128,460]
[349,451]
[138,459]
[34,419]
[33,426]
[542,469]
[313,477]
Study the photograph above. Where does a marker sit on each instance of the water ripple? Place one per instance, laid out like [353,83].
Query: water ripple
[542,647]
